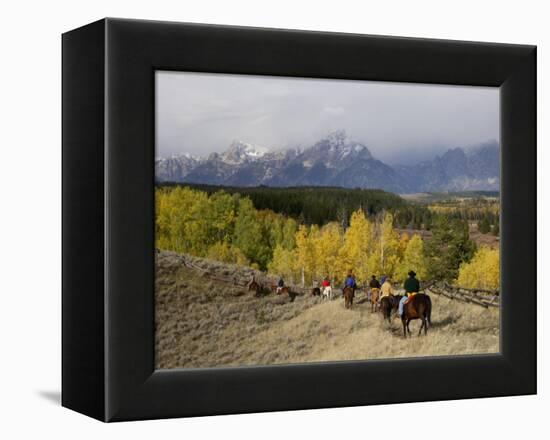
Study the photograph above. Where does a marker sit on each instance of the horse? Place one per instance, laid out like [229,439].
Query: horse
[388,304]
[374,294]
[418,307]
[315,291]
[327,293]
[348,294]
[284,289]
[278,291]
[256,287]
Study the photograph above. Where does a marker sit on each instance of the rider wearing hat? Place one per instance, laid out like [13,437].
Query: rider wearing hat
[350,281]
[280,285]
[411,286]
[386,288]
[374,286]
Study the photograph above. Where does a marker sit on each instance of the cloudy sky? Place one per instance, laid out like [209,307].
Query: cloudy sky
[201,113]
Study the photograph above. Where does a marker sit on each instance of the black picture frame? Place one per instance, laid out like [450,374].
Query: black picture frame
[108,368]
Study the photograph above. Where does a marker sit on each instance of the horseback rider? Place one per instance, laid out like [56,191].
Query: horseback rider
[280,285]
[386,288]
[350,281]
[327,289]
[411,286]
[374,285]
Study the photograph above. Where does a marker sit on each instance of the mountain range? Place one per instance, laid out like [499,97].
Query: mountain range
[336,160]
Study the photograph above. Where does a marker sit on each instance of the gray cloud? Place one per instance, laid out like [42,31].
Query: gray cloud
[203,113]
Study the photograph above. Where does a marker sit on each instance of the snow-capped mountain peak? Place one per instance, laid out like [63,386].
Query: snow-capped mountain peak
[172,168]
[336,160]
[241,152]
[338,146]
[337,138]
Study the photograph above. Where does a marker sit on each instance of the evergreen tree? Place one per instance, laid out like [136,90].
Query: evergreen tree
[484,225]
[449,247]
[496,227]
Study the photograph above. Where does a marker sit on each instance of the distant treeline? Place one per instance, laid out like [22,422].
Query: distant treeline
[446,197]
[483,211]
[322,205]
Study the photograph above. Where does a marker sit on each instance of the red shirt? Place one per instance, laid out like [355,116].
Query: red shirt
[325,283]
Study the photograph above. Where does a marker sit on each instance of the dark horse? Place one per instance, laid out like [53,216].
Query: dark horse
[389,304]
[418,307]
[256,287]
[316,291]
[348,294]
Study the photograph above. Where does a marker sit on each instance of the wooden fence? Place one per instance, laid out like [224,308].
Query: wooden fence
[480,297]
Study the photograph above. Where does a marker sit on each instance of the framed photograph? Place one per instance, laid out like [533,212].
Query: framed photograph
[263,219]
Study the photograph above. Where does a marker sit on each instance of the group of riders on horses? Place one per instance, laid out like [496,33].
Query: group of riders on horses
[379,289]
[410,306]
[380,294]
[383,288]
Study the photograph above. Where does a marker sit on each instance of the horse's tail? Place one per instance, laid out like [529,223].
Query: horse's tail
[429,311]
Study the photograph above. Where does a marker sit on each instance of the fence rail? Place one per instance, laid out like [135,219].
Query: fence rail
[481,297]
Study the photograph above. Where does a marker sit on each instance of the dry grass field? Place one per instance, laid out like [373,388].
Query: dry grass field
[204,319]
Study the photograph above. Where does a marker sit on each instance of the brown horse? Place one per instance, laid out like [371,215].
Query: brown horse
[284,289]
[316,291]
[256,287]
[374,295]
[275,289]
[418,307]
[389,304]
[348,294]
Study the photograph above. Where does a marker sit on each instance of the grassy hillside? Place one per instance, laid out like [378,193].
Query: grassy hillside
[205,317]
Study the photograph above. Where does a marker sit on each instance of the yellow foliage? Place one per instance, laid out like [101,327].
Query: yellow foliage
[228,228]
[403,242]
[283,264]
[482,272]
[355,250]
[180,222]
[305,254]
[327,245]
[221,251]
[413,259]
[390,254]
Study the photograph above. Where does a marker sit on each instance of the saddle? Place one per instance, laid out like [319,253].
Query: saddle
[410,297]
